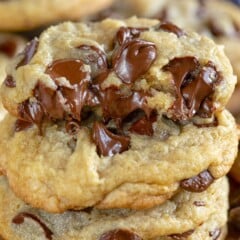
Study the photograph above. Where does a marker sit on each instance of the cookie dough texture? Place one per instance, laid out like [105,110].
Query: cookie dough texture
[26,14]
[57,171]
[195,215]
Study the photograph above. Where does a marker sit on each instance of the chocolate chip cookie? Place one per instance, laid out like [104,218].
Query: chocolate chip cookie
[187,216]
[116,114]
[26,14]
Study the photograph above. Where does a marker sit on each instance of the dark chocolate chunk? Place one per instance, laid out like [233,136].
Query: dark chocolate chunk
[215,234]
[9,81]
[8,47]
[22,125]
[193,83]
[28,52]
[107,142]
[19,219]
[182,236]
[198,183]
[169,27]
[119,234]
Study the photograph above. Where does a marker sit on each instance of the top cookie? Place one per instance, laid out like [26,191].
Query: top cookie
[28,14]
[107,109]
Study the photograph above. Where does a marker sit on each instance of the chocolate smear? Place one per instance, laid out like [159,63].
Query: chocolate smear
[198,183]
[19,219]
[119,234]
[107,142]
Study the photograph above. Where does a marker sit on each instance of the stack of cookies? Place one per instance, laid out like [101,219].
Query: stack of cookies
[117,130]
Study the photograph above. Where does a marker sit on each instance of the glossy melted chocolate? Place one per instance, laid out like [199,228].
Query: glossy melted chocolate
[194,85]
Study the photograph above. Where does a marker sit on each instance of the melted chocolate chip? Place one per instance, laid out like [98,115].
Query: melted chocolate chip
[125,34]
[31,112]
[94,57]
[193,83]
[199,203]
[143,126]
[108,143]
[9,82]
[19,219]
[71,69]
[119,234]
[132,57]
[182,236]
[215,234]
[22,125]
[50,100]
[70,98]
[8,47]
[117,106]
[28,52]
[169,27]
[198,183]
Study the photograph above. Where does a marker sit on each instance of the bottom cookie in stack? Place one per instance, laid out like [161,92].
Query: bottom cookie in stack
[186,216]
